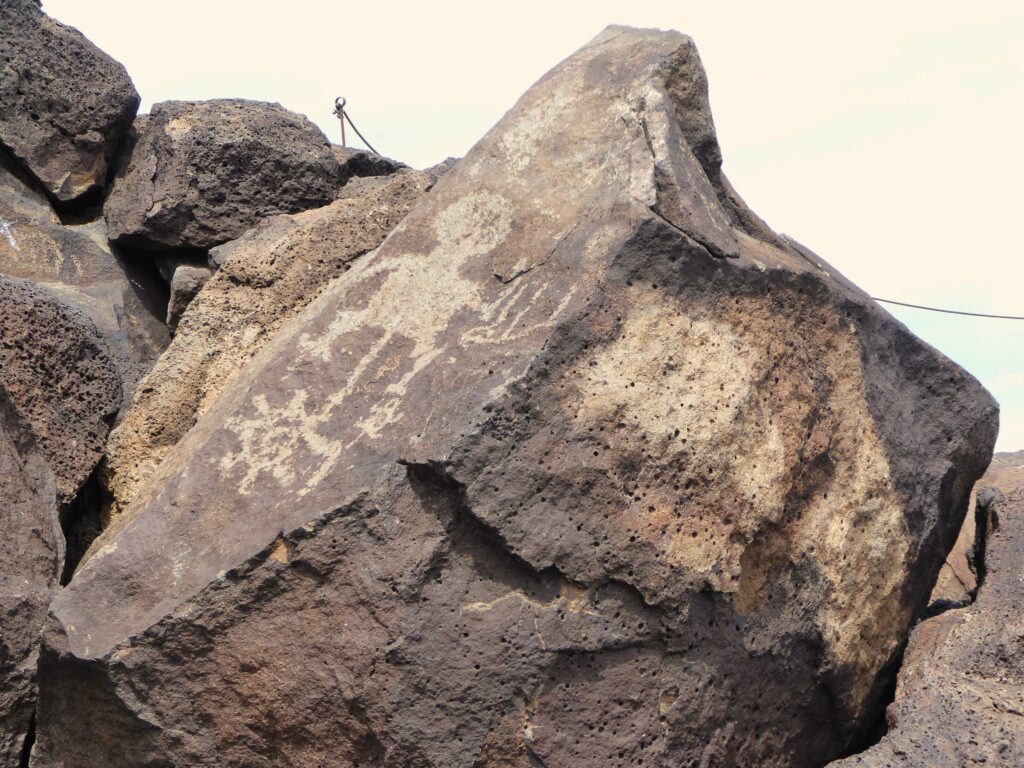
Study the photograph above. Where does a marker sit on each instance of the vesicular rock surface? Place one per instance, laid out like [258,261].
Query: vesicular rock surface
[960,697]
[203,172]
[65,106]
[265,278]
[58,392]
[76,264]
[584,465]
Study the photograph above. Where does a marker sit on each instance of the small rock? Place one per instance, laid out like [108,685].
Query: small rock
[185,284]
[359,162]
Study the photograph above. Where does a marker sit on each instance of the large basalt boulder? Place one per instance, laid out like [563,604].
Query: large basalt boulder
[960,696]
[76,264]
[65,106]
[264,278]
[583,466]
[58,392]
[203,172]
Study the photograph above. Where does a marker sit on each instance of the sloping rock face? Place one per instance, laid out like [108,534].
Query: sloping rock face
[65,105]
[265,278]
[203,172]
[76,264]
[958,579]
[960,697]
[58,391]
[584,466]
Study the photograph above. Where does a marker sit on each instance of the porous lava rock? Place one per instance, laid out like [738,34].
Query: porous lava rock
[264,278]
[186,282]
[65,106]
[58,393]
[203,172]
[960,696]
[583,466]
[75,263]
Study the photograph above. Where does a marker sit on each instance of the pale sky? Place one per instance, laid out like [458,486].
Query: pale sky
[886,136]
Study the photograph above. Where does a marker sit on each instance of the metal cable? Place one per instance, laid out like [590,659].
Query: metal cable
[948,311]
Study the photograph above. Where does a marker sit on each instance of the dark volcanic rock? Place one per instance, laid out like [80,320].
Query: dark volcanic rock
[31,553]
[58,393]
[65,105]
[58,378]
[545,479]
[265,278]
[960,697]
[358,162]
[203,172]
[76,264]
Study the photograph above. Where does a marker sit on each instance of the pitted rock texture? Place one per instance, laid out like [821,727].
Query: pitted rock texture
[31,553]
[264,278]
[958,579]
[186,282]
[65,106]
[58,378]
[357,163]
[583,466]
[960,696]
[76,264]
[203,172]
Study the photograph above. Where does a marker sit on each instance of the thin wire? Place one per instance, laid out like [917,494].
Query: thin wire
[948,311]
[369,146]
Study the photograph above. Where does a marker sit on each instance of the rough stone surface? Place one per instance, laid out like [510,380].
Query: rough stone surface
[76,264]
[203,172]
[358,162]
[439,170]
[548,478]
[31,550]
[264,278]
[957,580]
[960,697]
[58,393]
[59,379]
[65,106]
[185,284]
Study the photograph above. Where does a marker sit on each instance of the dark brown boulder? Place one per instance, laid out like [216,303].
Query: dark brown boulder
[203,172]
[582,466]
[77,265]
[358,162]
[960,697]
[58,395]
[65,106]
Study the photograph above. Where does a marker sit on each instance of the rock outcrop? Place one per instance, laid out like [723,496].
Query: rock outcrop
[58,392]
[958,579]
[358,163]
[583,466]
[186,282]
[203,172]
[76,264]
[264,278]
[65,106]
[960,697]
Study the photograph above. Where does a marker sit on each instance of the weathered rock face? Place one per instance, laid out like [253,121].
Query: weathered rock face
[203,172]
[547,478]
[960,696]
[358,163]
[186,282]
[265,278]
[64,104]
[958,578]
[58,391]
[76,264]
[59,379]
[31,553]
